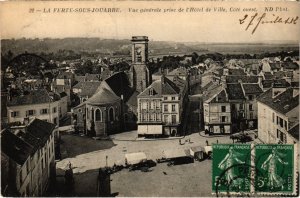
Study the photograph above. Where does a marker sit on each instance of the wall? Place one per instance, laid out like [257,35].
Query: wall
[49,117]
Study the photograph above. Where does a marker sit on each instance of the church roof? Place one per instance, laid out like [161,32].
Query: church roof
[103,96]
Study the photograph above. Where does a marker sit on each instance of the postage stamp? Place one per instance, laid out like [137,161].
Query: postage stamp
[231,168]
[274,169]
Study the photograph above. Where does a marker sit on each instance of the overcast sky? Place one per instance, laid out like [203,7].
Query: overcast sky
[16,22]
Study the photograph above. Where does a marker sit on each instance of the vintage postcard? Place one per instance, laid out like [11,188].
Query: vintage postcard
[134,98]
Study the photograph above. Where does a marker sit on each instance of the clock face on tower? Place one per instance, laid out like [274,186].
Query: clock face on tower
[138,51]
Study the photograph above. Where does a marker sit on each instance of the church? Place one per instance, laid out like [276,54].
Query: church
[113,107]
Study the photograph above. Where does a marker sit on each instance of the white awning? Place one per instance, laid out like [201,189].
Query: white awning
[175,153]
[135,158]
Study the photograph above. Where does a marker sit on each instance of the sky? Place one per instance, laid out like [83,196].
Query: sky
[17,22]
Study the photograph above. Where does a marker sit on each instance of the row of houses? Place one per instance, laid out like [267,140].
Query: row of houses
[28,158]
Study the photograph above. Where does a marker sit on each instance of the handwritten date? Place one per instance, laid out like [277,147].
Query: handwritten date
[256,20]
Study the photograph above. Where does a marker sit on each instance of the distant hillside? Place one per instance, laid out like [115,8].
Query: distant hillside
[123,47]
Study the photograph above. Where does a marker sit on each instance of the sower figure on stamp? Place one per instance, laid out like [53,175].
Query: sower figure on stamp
[227,164]
[274,180]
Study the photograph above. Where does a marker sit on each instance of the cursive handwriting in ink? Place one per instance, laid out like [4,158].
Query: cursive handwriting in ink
[256,20]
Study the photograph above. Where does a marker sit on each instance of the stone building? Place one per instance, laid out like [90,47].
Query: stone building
[110,110]
[39,104]
[140,76]
[28,158]
[278,116]
[160,108]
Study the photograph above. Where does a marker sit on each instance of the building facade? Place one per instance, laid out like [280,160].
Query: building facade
[160,108]
[278,116]
[39,104]
[29,155]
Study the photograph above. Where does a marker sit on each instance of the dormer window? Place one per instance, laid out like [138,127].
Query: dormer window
[151,92]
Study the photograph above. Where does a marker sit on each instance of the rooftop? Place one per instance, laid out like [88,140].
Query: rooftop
[282,103]
[242,78]
[235,91]
[250,88]
[39,96]
[14,147]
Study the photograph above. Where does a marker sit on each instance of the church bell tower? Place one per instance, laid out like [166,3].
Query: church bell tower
[140,72]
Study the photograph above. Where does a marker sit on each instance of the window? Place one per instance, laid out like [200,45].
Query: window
[151,104]
[166,108]
[173,108]
[281,136]
[55,120]
[241,106]
[165,98]
[111,114]
[250,97]
[92,112]
[223,108]
[281,122]
[54,109]
[151,92]
[250,107]
[273,117]
[173,98]
[166,118]
[233,106]
[14,114]
[30,112]
[158,117]
[157,105]
[44,111]
[285,125]
[98,115]
[223,118]
[173,119]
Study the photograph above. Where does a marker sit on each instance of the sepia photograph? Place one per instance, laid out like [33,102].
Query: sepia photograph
[127,98]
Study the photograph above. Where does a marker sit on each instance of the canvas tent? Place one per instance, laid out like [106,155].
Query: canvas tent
[135,158]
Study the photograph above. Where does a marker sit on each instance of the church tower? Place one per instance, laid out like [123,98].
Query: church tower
[141,78]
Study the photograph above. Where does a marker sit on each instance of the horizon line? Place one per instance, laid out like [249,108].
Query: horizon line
[151,40]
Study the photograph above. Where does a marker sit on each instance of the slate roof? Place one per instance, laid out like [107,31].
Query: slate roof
[40,129]
[235,92]
[103,96]
[39,96]
[267,83]
[88,88]
[221,97]
[282,103]
[132,101]
[250,88]
[244,79]
[294,131]
[275,66]
[79,78]
[238,72]
[209,95]
[161,87]
[14,147]
[120,85]
[290,65]
[92,77]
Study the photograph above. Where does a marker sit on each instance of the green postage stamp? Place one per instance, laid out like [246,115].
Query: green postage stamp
[231,168]
[261,169]
[274,169]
